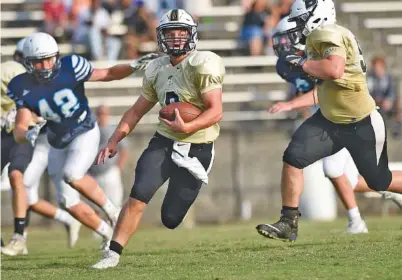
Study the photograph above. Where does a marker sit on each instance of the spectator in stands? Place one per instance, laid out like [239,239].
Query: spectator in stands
[80,27]
[257,27]
[382,87]
[99,37]
[141,25]
[55,18]
[93,23]
[282,9]
[159,7]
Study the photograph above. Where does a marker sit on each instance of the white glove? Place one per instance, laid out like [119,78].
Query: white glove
[8,120]
[33,133]
[143,61]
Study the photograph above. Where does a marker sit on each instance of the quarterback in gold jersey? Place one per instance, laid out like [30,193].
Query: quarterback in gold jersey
[347,119]
[181,152]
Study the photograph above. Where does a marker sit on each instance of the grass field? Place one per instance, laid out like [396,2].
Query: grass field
[233,251]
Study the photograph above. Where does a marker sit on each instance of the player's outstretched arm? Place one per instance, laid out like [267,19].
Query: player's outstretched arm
[330,68]
[307,99]
[120,71]
[128,122]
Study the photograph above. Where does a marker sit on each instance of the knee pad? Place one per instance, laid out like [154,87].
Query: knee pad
[67,196]
[171,221]
[332,169]
[69,176]
[141,193]
[32,196]
[66,202]
[290,157]
[379,183]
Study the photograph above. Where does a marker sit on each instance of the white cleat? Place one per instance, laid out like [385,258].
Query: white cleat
[395,197]
[110,259]
[73,230]
[356,226]
[17,246]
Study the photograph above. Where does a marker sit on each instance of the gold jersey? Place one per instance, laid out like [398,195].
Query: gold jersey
[346,99]
[9,70]
[198,73]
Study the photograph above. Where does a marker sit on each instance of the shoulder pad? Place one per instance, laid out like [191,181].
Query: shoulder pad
[206,62]
[327,34]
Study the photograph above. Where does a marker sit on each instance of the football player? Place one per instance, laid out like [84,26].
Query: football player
[19,156]
[53,88]
[347,117]
[339,168]
[181,152]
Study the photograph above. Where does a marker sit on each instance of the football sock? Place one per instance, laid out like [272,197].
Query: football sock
[19,225]
[284,208]
[105,230]
[109,208]
[115,247]
[354,213]
[63,217]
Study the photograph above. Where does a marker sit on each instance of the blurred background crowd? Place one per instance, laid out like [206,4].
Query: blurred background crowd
[113,29]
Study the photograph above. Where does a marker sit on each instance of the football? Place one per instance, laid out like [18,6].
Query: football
[188,112]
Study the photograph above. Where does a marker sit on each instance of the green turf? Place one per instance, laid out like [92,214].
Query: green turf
[220,252]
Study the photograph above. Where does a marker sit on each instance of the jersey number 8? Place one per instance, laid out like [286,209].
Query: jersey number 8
[362,62]
[65,100]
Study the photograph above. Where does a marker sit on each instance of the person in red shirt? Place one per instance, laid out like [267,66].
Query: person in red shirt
[56,18]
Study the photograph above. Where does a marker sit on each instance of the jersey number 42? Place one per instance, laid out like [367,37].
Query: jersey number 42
[66,102]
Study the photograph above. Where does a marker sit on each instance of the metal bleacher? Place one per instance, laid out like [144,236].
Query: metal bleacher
[380,25]
[248,79]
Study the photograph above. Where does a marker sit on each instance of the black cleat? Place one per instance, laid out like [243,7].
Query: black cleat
[285,229]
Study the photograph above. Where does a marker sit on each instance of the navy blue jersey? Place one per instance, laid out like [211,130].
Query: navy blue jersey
[61,101]
[294,75]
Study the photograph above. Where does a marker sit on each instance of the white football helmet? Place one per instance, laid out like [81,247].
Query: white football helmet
[18,55]
[281,40]
[311,14]
[177,19]
[40,46]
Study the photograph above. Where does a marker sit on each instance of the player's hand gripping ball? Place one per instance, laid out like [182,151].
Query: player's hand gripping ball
[176,115]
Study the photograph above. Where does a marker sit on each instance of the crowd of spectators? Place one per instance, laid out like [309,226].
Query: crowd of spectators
[110,29]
